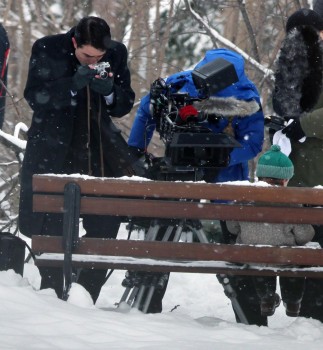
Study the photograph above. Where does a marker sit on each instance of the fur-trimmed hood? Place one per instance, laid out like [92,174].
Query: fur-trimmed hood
[240,99]
[298,77]
[243,89]
[228,106]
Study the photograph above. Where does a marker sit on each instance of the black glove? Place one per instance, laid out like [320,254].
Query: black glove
[102,86]
[141,166]
[294,130]
[136,151]
[82,77]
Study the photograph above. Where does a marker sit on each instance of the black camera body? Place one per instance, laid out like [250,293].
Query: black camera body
[201,150]
[190,143]
[214,76]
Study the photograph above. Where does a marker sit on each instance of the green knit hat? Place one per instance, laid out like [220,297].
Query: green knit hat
[275,164]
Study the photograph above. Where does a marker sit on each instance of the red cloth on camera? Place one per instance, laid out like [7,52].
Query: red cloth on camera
[188,111]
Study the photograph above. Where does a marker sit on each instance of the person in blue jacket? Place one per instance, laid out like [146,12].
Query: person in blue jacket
[248,130]
[246,126]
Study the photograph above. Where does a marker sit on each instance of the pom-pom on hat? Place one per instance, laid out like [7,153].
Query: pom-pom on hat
[304,17]
[275,164]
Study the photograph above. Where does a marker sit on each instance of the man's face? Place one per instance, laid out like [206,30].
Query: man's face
[87,54]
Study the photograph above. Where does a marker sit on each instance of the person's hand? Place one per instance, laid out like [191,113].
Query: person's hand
[102,86]
[142,165]
[136,151]
[82,77]
[294,130]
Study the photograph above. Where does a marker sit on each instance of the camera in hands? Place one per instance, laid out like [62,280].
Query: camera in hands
[103,69]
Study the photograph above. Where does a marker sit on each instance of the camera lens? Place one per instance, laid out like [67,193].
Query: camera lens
[103,74]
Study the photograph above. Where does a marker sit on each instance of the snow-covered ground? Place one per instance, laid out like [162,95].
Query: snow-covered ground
[202,319]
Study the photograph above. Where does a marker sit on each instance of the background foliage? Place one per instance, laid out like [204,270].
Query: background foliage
[162,36]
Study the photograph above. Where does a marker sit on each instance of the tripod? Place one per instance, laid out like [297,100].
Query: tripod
[140,286]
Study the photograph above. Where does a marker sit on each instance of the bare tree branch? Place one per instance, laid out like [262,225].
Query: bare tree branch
[252,37]
[268,73]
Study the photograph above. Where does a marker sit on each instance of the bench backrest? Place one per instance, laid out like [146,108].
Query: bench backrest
[181,200]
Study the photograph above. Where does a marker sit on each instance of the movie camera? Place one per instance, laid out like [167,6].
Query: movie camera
[102,69]
[189,142]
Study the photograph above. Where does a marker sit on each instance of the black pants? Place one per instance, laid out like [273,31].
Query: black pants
[245,290]
[248,299]
[92,280]
[312,303]
[292,288]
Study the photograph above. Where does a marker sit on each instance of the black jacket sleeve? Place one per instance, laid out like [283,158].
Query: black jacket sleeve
[49,81]
[124,96]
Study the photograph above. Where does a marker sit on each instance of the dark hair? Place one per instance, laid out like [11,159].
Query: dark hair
[93,31]
[304,17]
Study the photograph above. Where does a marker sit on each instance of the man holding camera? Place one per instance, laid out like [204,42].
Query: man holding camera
[73,97]
[235,110]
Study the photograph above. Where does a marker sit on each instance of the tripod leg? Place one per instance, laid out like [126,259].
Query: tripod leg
[139,297]
[132,296]
[137,293]
[178,232]
[202,236]
[152,231]
[197,229]
[160,279]
[167,234]
[149,295]
[232,295]
[125,295]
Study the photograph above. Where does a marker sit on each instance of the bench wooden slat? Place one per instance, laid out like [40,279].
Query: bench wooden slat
[180,210]
[189,190]
[154,265]
[244,254]
[180,200]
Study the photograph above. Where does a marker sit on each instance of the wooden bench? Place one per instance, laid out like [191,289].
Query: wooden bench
[73,196]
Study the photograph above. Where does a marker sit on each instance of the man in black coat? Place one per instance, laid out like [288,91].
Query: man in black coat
[71,130]
[4,55]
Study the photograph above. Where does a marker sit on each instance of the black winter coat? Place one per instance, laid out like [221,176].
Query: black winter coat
[299,72]
[59,134]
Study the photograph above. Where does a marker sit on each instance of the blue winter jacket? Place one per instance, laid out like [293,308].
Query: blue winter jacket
[249,131]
